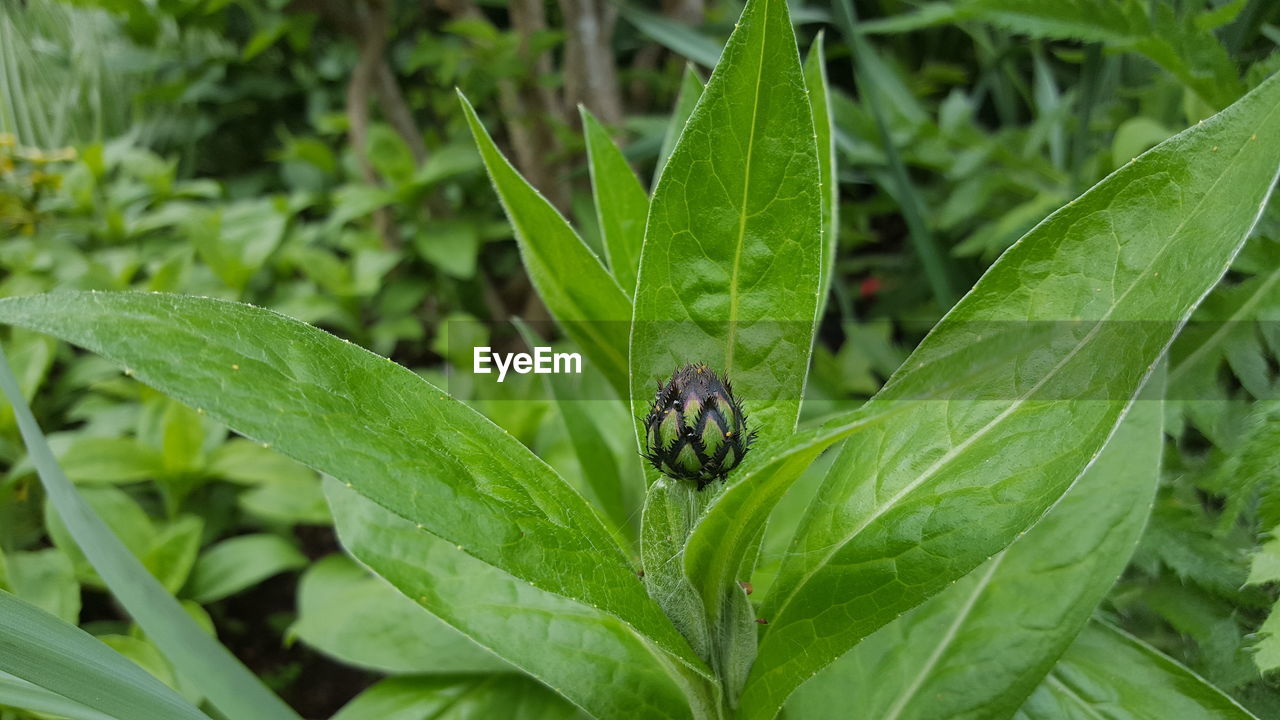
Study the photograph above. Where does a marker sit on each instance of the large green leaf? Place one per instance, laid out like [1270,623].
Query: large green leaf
[729,276]
[621,202]
[366,421]
[462,698]
[66,661]
[588,656]
[218,674]
[586,300]
[732,255]
[724,535]
[979,648]
[931,489]
[1108,673]
[353,616]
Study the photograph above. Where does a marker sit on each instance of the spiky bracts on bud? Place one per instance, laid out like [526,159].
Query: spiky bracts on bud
[696,429]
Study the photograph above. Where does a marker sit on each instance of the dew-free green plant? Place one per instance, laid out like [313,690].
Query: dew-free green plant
[949,563]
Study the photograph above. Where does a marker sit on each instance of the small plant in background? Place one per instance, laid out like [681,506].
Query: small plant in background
[946,548]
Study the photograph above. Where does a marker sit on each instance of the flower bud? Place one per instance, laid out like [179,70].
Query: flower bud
[696,429]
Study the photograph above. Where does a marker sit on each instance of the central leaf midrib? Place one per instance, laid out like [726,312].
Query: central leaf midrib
[1086,706]
[742,208]
[949,637]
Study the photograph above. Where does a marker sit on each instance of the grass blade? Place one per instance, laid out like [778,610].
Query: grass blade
[67,667]
[230,686]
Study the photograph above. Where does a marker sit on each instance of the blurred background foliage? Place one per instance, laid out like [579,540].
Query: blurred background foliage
[310,156]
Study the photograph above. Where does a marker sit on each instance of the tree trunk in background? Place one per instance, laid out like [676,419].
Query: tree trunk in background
[689,12]
[530,109]
[394,108]
[368,23]
[590,76]
[370,30]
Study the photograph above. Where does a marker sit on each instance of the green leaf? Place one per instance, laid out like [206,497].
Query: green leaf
[1266,655]
[621,202]
[389,155]
[173,551]
[68,662]
[542,634]
[243,461]
[468,698]
[236,240]
[1265,568]
[146,656]
[182,436]
[1108,673]
[359,619]
[450,245]
[732,256]
[45,578]
[292,501]
[1175,41]
[239,563]
[1265,565]
[579,292]
[110,460]
[603,479]
[690,90]
[229,686]
[122,516]
[1060,333]
[1224,323]
[18,693]
[815,78]
[368,422]
[729,276]
[979,648]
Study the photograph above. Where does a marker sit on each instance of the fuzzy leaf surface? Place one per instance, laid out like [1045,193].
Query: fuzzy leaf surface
[815,77]
[547,636]
[979,648]
[731,264]
[363,419]
[1108,673]
[1097,292]
[730,268]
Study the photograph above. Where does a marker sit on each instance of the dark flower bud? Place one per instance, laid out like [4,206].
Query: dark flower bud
[696,429]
